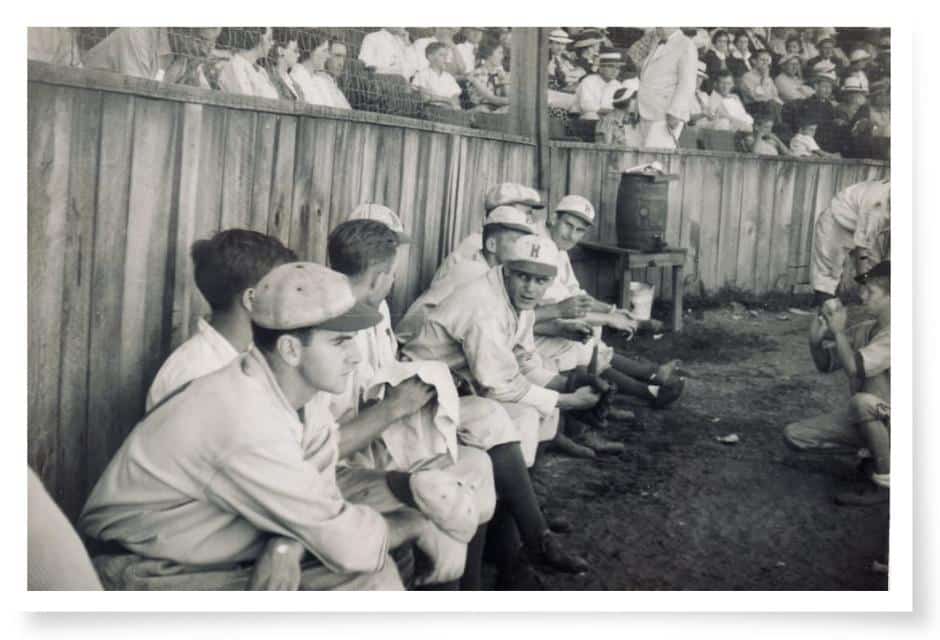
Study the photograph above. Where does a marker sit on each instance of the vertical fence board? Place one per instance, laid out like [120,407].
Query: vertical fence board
[105,382]
[750,207]
[781,233]
[313,186]
[691,209]
[710,221]
[50,127]
[79,247]
[767,179]
[238,168]
[262,171]
[282,180]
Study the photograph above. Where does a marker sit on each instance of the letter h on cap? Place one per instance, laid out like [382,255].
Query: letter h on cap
[535,251]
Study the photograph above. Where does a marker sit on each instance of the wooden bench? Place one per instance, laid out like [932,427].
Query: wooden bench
[628,259]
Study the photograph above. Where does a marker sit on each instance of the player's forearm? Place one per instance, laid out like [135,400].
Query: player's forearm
[404,526]
[846,355]
[358,433]
[547,312]
[821,356]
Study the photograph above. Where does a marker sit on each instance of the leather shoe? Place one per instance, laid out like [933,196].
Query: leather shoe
[564,444]
[593,440]
[552,555]
[668,393]
[867,496]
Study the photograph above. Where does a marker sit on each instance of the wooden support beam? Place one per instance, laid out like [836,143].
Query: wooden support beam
[529,94]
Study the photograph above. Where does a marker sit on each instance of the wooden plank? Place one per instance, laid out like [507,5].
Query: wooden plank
[800,261]
[404,291]
[347,173]
[313,183]
[262,172]
[473,189]
[368,160]
[673,165]
[238,169]
[282,181]
[434,175]
[453,195]
[729,224]
[583,174]
[709,249]
[826,181]
[105,382]
[85,110]
[782,230]
[751,172]
[50,132]
[763,253]
[693,173]
[187,213]
[153,167]
[388,170]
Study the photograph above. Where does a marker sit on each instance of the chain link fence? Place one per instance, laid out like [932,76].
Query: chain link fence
[453,75]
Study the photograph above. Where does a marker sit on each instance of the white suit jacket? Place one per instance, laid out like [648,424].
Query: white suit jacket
[667,79]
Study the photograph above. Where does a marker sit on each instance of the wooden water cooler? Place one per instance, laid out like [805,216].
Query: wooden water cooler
[642,206]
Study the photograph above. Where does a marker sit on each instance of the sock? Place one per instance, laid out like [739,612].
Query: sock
[472,579]
[514,490]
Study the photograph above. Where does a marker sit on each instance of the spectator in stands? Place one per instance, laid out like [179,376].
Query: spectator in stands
[437,86]
[302,72]
[716,58]
[729,112]
[766,142]
[740,60]
[388,51]
[141,52]
[794,47]
[871,127]
[854,96]
[827,53]
[808,43]
[489,82]
[790,85]
[667,86]
[282,57]
[858,62]
[779,40]
[757,38]
[563,74]
[595,92]
[193,61]
[828,133]
[505,40]
[803,144]
[467,51]
[881,67]
[756,86]
[700,112]
[445,37]
[587,49]
[55,45]
[642,47]
[323,89]
[242,74]
[620,127]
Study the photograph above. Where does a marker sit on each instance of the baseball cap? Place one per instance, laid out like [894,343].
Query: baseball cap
[305,294]
[858,55]
[509,217]
[560,35]
[381,213]
[511,193]
[533,254]
[853,84]
[880,270]
[610,57]
[577,206]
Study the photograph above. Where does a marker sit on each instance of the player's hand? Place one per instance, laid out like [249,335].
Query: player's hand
[448,556]
[818,329]
[410,396]
[278,566]
[583,398]
[622,321]
[575,306]
[835,315]
[577,330]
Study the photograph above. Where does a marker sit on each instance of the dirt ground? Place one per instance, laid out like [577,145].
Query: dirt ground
[680,510]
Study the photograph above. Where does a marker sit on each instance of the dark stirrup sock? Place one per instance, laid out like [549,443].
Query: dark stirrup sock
[633,368]
[472,579]
[514,489]
[399,483]
[502,537]
[627,385]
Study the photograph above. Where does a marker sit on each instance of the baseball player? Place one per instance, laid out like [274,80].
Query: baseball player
[570,343]
[365,249]
[857,224]
[253,490]
[863,352]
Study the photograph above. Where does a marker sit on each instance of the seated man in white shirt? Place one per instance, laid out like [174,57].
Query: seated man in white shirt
[365,248]
[242,74]
[436,86]
[323,89]
[595,93]
[730,114]
[226,268]
[388,51]
[253,488]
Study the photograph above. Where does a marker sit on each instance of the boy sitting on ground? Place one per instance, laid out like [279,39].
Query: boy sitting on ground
[863,351]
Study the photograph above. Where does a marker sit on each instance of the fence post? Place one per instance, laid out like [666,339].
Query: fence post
[529,96]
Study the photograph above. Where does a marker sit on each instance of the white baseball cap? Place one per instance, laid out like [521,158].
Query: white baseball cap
[511,193]
[533,254]
[511,218]
[305,294]
[577,206]
[381,213]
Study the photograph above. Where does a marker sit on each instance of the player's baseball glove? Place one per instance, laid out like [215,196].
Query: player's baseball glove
[447,501]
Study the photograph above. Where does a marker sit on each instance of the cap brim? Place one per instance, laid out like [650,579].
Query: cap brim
[360,317]
[534,268]
[577,214]
[403,238]
[514,227]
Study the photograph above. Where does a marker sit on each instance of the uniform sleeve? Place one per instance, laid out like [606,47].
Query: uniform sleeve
[875,357]
[496,370]
[273,488]
[747,86]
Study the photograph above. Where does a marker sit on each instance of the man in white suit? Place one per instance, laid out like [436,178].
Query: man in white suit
[667,86]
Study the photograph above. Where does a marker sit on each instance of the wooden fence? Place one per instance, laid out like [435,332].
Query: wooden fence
[124,174]
[746,220]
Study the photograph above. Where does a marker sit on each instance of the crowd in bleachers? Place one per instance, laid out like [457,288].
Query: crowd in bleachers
[799,92]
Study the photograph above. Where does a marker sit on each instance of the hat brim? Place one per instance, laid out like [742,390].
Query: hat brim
[580,44]
[577,214]
[511,226]
[534,268]
[560,40]
[403,238]
[360,317]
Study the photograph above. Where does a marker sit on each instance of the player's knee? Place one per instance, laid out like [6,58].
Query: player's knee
[864,407]
[792,436]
